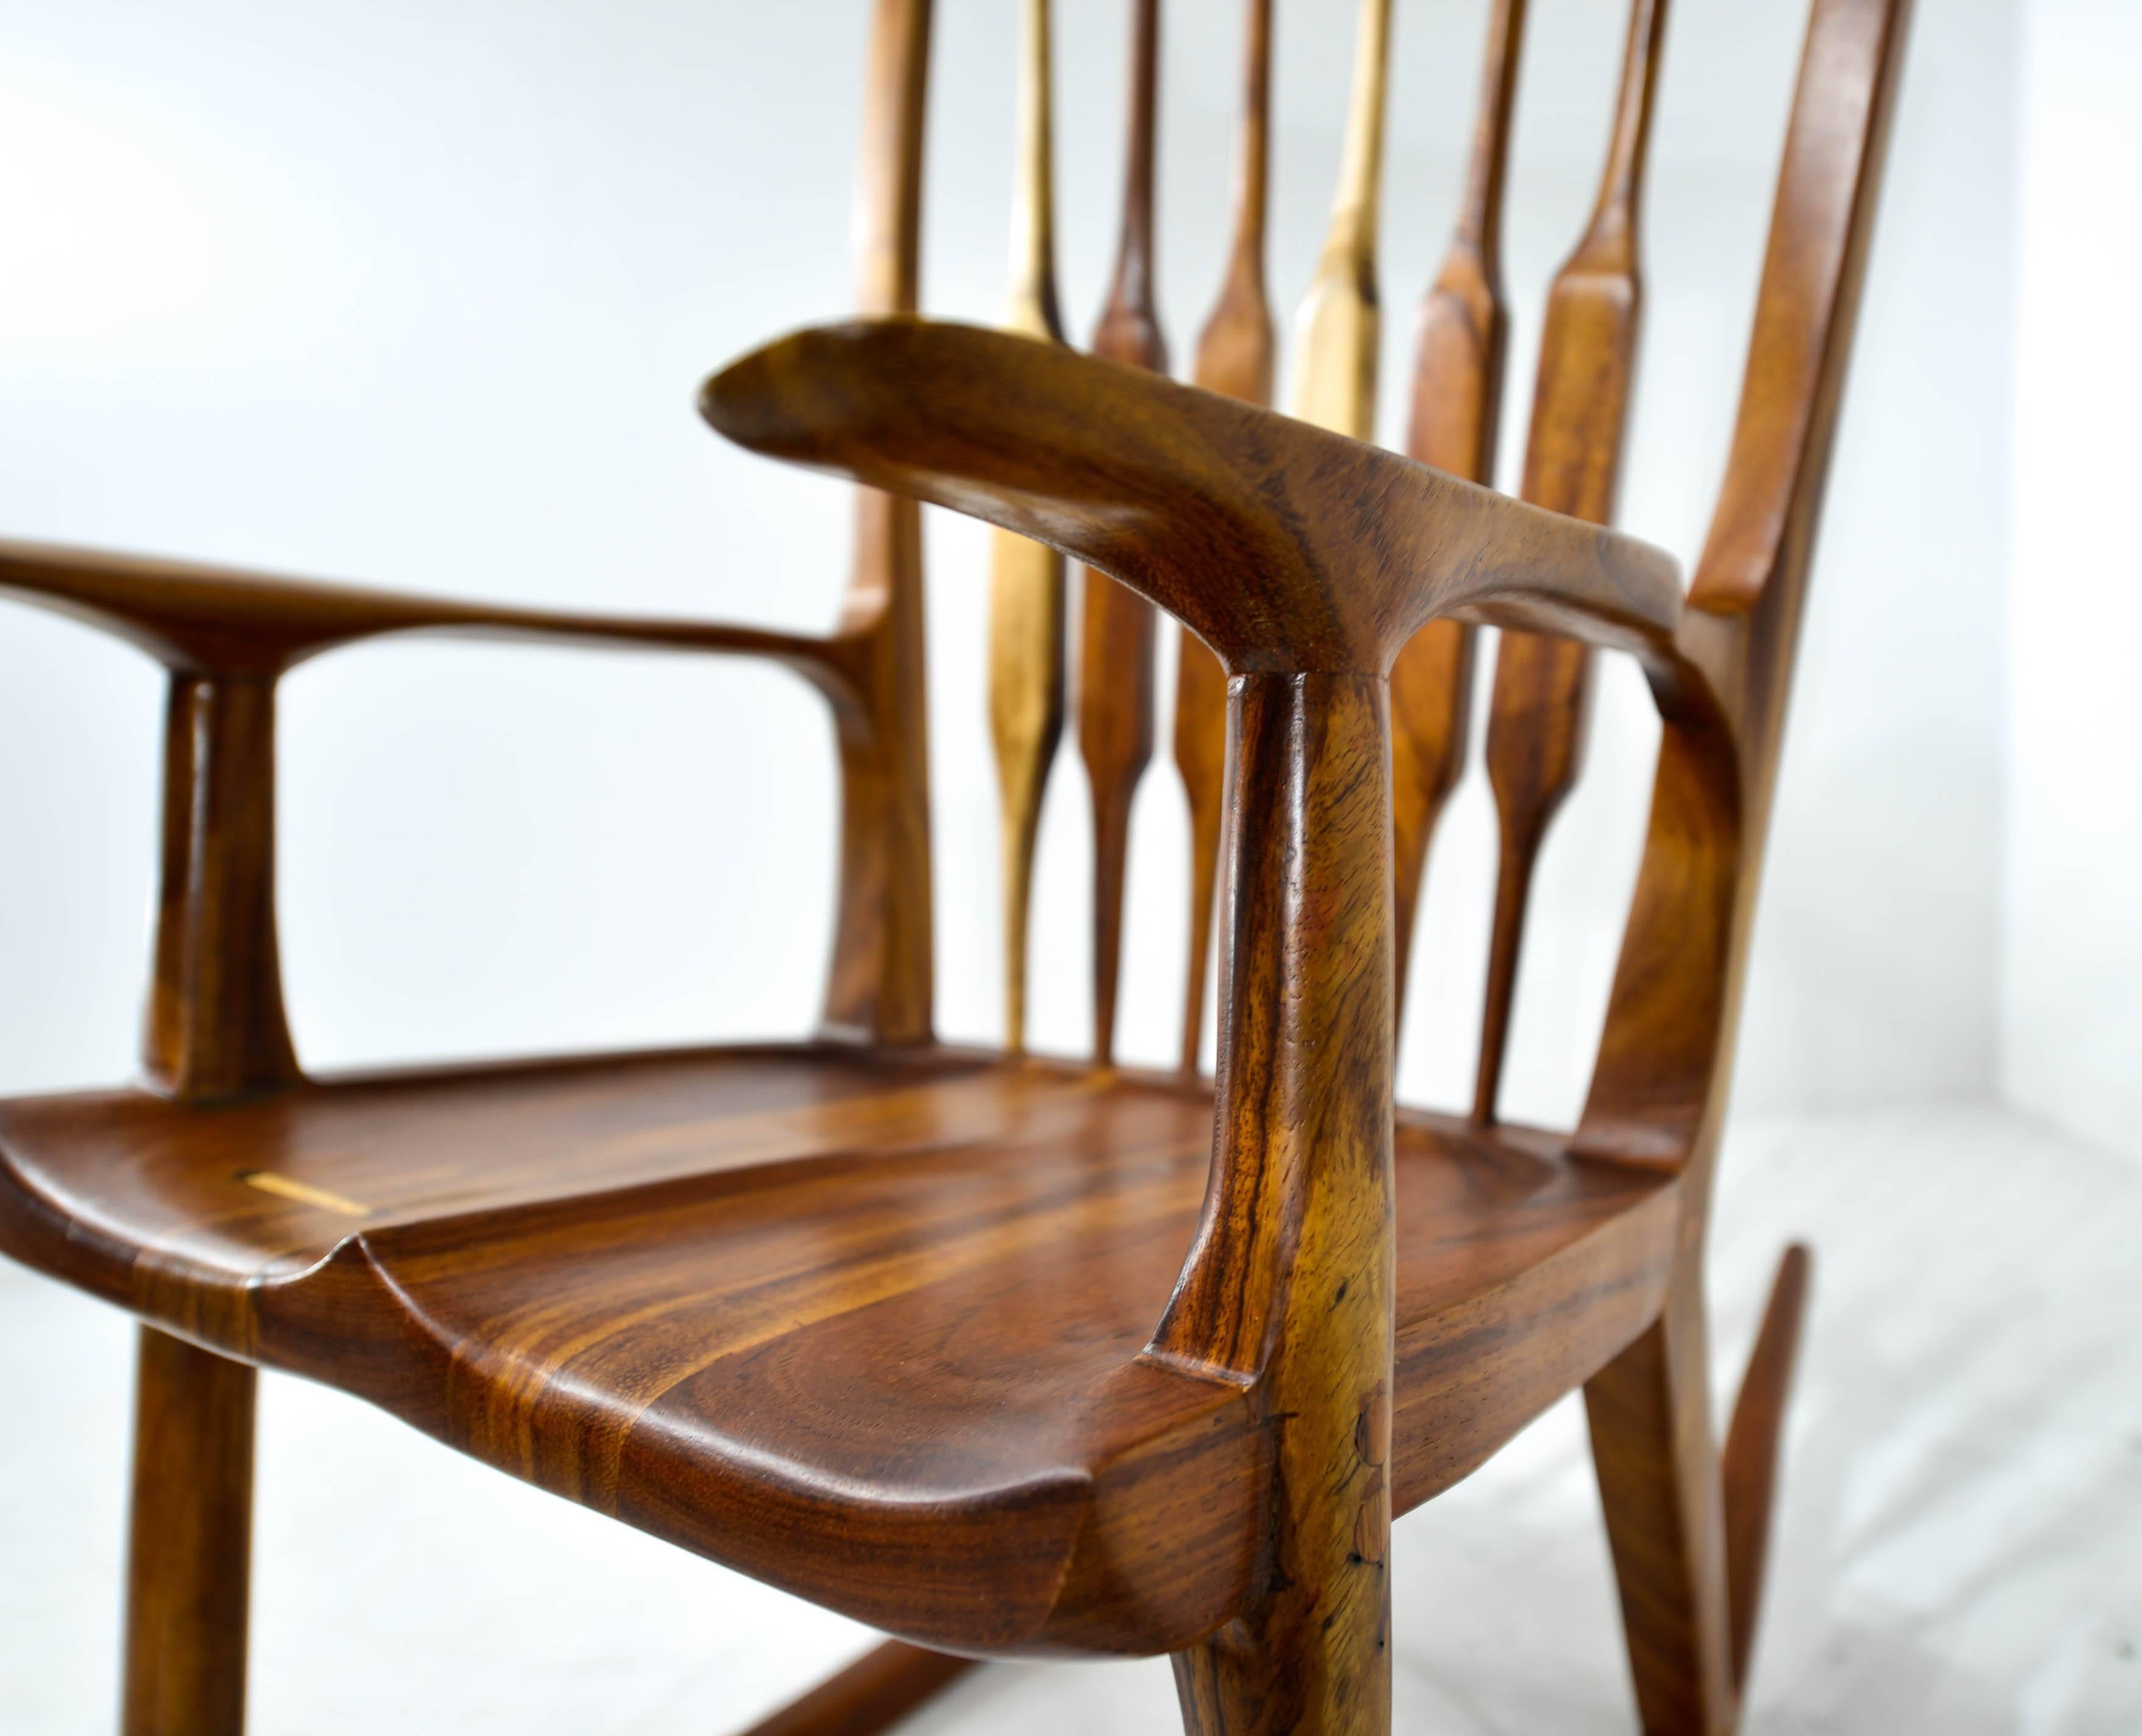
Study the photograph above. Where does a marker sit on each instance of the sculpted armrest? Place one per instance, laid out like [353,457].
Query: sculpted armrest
[213,621]
[216,1029]
[1285,547]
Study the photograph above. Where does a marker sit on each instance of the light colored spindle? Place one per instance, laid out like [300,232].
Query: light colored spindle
[1026,590]
[1334,382]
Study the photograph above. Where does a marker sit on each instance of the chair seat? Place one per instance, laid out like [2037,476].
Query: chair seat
[798,1308]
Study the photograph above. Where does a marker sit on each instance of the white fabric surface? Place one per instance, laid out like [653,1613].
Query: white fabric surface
[1959,1547]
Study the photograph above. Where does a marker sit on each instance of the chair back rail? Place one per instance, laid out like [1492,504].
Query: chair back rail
[1117,628]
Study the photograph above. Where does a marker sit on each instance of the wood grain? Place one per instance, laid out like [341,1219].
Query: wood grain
[1539,712]
[867,1323]
[1337,329]
[1658,1091]
[1289,1284]
[1236,355]
[1026,580]
[189,1557]
[882,984]
[216,1027]
[1461,349]
[911,1330]
[1117,628]
[1285,548]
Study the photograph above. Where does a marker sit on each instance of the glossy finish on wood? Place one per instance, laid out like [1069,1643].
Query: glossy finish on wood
[190,1553]
[1538,711]
[1658,1092]
[867,1323]
[1001,1354]
[881,984]
[1338,328]
[1287,549]
[1291,1283]
[1461,349]
[215,1027]
[1117,628]
[1026,580]
[1237,356]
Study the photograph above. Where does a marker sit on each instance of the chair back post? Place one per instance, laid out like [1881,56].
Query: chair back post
[215,1027]
[1660,1085]
[880,987]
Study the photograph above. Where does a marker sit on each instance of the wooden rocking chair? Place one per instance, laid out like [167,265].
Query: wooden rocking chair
[1006,1354]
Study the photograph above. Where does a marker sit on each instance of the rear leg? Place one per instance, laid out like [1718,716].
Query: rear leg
[1689,1532]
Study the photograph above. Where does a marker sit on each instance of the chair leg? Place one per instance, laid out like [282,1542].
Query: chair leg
[1649,1415]
[1314,1658]
[1689,1539]
[1301,1668]
[189,1556]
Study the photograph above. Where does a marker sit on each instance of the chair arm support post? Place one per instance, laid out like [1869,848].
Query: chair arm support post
[1290,1284]
[216,1028]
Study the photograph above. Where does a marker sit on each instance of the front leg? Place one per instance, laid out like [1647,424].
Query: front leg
[1313,1657]
[1291,1284]
[189,1556]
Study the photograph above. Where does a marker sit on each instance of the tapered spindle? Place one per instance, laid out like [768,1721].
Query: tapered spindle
[1334,383]
[1542,697]
[1236,355]
[1463,343]
[1026,594]
[882,984]
[1117,627]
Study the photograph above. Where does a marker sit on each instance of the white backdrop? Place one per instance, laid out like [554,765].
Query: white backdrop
[418,294]
[2073,1001]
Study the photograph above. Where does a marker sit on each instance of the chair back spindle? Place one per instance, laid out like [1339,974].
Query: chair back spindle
[1117,627]
[1026,589]
[880,985]
[1337,330]
[1542,697]
[1459,352]
[1236,355]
